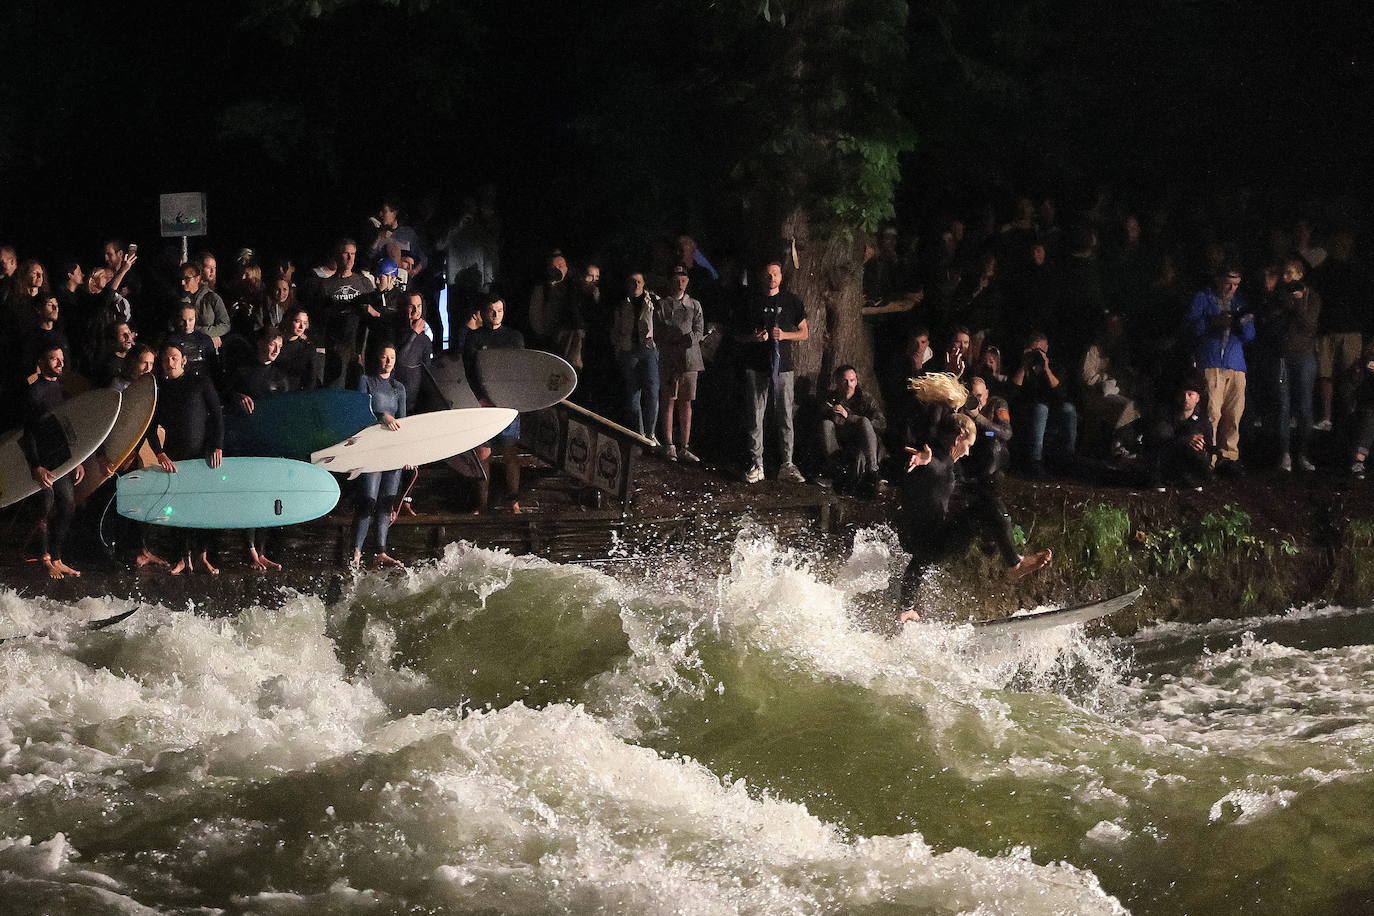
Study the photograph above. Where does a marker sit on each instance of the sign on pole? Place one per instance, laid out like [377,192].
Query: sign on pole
[183,214]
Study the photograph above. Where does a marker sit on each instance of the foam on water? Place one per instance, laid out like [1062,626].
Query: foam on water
[496,732]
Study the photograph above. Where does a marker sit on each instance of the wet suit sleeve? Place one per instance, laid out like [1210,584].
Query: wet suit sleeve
[214,418]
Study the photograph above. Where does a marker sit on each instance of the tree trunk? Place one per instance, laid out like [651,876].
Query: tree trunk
[829,279]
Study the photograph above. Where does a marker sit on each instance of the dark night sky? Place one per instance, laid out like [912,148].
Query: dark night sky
[293,142]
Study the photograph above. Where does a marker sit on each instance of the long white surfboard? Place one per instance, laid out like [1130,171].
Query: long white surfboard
[73,431]
[1059,617]
[421,439]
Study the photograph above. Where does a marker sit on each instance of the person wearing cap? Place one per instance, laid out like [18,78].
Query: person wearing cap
[681,326]
[384,306]
[1178,444]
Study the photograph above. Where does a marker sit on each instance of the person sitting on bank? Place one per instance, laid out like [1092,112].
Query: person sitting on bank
[1179,442]
[851,422]
[936,526]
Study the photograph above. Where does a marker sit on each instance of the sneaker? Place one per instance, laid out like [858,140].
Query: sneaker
[669,452]
[788,473]
[1322,426]
[1286,463]
[754,474]
[683,454]
[1305,464]
[1357,468]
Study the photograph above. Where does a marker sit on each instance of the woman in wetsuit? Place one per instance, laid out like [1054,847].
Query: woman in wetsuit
[251,383]
[189,413]
[377,491]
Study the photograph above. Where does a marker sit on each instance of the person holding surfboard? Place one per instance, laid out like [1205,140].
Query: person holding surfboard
[40,397]
[250,384]
[377,490]
[188,424]
[494,333]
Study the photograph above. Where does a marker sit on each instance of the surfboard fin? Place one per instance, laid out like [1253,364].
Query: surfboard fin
[353,474]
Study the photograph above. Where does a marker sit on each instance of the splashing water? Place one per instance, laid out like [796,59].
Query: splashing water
[491,733]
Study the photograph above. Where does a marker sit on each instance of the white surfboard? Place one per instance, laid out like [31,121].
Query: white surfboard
[72,432]
[1058,617]
[523,379]
[421,439]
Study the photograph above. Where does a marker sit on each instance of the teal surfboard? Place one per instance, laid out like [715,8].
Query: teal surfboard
[240,493]
[294,425]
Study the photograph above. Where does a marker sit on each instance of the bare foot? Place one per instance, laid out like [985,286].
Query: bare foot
[407,508]
[65,569]
[515,506]
[357,560]
[182,566]
[1029,564]
[54,572]
[384,559]
[205,562]
[261,562]
[908,616]
[148,558]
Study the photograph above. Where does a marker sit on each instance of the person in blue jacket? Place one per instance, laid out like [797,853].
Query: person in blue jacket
[1222,324]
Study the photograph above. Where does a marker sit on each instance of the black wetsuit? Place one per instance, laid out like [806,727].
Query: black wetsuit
[260,380]
[45,446]
[943,516]
[301,364]
[189,410]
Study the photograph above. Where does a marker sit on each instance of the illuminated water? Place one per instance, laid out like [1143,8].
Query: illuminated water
[504,735]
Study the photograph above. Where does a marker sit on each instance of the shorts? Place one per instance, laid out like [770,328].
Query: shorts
[1337,352]
[680,385]
[508,436]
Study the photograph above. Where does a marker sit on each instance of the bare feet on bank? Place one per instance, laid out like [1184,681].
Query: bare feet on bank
[205,562]
[383,560]
[259,561]
[1030,563]
[147,558]
[909,616]
[56,569]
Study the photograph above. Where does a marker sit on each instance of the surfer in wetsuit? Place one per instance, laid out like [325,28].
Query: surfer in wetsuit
[141,361]
[252,383]
[494,333]
[377,491]
[936,526]
[42,395]
[189,413]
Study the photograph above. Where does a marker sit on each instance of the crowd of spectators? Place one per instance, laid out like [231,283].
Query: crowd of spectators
[1166,347]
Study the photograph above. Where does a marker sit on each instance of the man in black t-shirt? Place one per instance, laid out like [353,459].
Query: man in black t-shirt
[771,325]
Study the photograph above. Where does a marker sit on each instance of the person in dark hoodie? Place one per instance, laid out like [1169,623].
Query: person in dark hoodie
[1292,323]
[1178,443]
